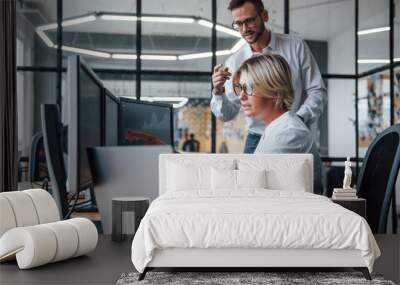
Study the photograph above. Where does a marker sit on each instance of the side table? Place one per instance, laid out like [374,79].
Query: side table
[357,205]
[139,205]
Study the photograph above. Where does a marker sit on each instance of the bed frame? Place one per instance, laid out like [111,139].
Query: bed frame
[249,259]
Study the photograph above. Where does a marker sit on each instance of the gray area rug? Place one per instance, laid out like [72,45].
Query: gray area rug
[228,278]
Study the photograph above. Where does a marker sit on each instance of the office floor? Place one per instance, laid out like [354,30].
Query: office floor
[103,266]
[110,260]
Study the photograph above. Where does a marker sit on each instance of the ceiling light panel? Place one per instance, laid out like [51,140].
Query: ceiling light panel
[373,31]
[110,17]
[158,57]
[195,55]
[238,45]
[228,31]
[159,19]
[220,28]
[126,17]
[123,56]
[51,26]
[45,38]
[223,52]
[180,101]
[205,23]
[372,61]
[87,51]
[79,20]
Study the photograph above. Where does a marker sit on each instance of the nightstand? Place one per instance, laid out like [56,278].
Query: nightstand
[357,205]
[139,205]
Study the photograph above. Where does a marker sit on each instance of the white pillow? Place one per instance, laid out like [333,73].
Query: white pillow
[189,175]
[282,174]
[292,179]
[223,179]
[183,178]
[251,178]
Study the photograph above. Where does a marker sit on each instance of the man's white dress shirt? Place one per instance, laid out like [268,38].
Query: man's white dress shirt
[310,91]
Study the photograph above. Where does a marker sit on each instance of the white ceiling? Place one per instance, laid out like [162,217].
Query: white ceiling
[311,19]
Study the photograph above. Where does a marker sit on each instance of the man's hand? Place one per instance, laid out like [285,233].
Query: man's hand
[219,77]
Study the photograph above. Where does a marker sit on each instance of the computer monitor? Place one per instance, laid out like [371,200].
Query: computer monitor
[85,121]
[111,105]
[145,123]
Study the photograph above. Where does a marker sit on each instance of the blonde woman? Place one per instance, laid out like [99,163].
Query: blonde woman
[263,84]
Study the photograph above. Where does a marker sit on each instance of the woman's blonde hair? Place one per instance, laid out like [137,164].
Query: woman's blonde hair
[270,75]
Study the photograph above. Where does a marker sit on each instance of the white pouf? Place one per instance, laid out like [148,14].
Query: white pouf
[31,233]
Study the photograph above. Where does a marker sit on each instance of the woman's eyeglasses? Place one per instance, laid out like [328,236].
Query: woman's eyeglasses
[247,89]
[250,22]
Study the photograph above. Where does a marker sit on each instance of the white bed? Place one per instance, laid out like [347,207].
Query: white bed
[197,222]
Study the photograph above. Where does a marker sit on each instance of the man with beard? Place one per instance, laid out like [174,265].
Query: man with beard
[250,18]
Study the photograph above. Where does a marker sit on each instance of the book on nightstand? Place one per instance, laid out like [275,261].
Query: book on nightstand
[344,194]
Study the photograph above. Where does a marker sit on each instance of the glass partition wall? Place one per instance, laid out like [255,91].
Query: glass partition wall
[176,64]
[164,51]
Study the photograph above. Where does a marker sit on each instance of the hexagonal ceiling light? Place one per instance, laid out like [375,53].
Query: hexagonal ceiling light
[40,30]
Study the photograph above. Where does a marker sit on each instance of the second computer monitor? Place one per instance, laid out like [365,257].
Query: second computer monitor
[145,123]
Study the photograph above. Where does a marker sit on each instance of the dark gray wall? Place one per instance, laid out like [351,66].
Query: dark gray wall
[320,51]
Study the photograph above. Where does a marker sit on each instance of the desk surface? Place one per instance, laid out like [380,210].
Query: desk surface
[130,199]
[348,199]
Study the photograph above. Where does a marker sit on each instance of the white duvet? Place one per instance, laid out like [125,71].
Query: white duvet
[250,219]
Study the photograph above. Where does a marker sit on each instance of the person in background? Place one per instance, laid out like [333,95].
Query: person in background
[250,19]
[191,145]
[223,148]
[264,87]
[196,142]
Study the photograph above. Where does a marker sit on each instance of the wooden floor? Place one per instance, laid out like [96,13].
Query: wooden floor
[110,260]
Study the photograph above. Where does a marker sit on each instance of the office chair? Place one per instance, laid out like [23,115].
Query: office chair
[38,171]
[55,161]
[376,182]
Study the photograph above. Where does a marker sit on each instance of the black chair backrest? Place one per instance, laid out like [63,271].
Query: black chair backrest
[37,161]
[378,175]
[51,127]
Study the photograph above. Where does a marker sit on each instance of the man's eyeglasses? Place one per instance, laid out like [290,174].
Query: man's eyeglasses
[247,89]
[250,22]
